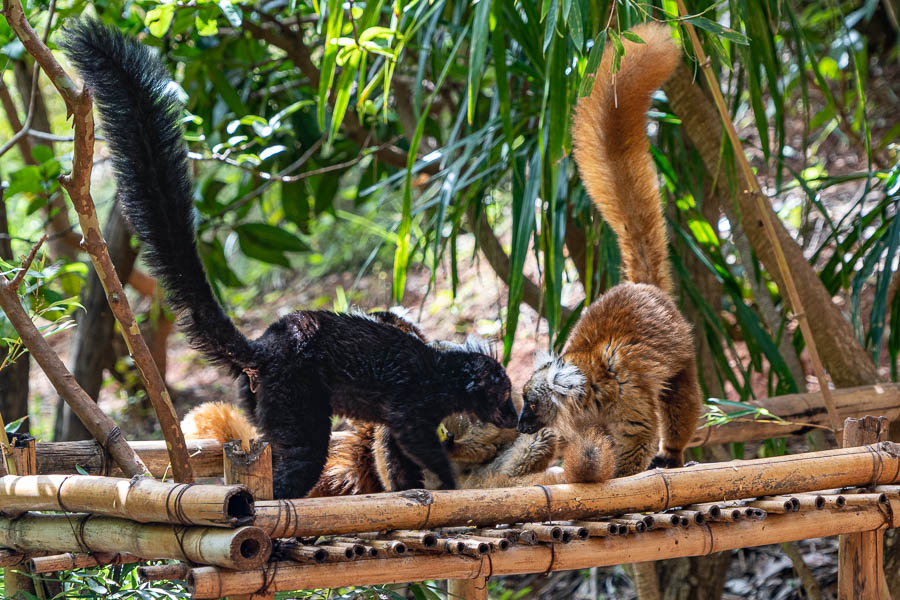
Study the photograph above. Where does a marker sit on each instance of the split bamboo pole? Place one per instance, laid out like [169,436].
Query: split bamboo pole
[241,548]
[650,491]
[209,582]
[860,555]
[70,561]
[141,500]
[62,458]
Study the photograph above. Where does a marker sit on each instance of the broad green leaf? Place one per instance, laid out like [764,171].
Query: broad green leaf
[159,19]
[477,53]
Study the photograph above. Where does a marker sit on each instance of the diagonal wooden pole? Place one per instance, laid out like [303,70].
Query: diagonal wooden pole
[756,192]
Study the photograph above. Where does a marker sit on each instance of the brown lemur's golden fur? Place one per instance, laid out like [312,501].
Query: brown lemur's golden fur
[627,379]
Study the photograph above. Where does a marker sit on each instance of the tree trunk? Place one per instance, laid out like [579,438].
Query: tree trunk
[693,578]
[842,354]
[63,240]
[96,326]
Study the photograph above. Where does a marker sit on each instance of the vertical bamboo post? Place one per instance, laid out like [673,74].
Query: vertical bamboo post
[252,468]
[860,558]
[467,589]
[24,457]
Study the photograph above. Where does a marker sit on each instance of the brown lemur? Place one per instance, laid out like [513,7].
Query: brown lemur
[627,377]
[306,366]
[481,453]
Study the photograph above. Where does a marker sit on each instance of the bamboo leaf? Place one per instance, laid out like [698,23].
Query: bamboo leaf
[480,37]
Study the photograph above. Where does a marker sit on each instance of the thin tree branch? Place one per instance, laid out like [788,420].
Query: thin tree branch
[104,430]
[78,185]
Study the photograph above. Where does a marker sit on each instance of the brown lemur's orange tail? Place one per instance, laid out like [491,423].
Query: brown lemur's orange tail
[613,153]
[220,421]
[589,459]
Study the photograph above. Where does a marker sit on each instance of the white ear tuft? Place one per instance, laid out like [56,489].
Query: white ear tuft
[565,379]
[542,359]
[478,344]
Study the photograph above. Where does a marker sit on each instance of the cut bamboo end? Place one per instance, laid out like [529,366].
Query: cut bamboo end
[545,533]
[794,501]
[834,501]
[334,553]
[501,544]
[727,514]
[170,572]
[415,540]
[631,525]
[779,507]
[358,549]
[142,500]
[865,499]
[601,528]
[752,512]
[694,516]
[314,554]
[663,520]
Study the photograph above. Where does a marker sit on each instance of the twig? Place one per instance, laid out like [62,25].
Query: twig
[101,426]
[756,192]
[78,185]
[21,133]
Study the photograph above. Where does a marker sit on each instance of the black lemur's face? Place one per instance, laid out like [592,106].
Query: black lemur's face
[494,392]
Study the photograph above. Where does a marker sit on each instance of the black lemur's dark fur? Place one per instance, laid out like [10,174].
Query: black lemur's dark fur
[305,366]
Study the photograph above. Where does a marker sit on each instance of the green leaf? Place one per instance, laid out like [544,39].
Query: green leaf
[576,27]
[329,59]
[206,27]
[13,426]
[159,19]
[713,27]
[272,237]
[479,38]
[550,24]
[232,13]
[80,470]
[593,63]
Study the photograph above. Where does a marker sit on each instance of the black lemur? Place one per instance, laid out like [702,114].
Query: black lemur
[307,365]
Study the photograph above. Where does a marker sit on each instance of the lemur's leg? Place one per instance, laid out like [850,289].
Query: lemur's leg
[422,445]
[635,433]
[296,419]
[404,474]
[528,454]
[680,406]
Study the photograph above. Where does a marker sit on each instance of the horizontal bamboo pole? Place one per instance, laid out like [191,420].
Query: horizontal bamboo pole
[209,582]
[802,412]
[142,499]
[241,548]
[70,561]
[650,491]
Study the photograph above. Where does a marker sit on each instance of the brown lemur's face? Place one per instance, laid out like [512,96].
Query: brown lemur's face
[552,382]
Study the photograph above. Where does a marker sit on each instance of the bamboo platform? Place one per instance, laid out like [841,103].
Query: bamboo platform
[232,541]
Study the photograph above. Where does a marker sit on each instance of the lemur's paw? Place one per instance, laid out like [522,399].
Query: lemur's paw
[662,461]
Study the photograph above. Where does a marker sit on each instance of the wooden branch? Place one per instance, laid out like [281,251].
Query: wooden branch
[78,185]
[71,561]
[141,500]
[208,582]
[241,548]
[802,413]
[101,426]
[650,491]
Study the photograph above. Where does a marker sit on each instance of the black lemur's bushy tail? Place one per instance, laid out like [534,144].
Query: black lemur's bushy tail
[141,123]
